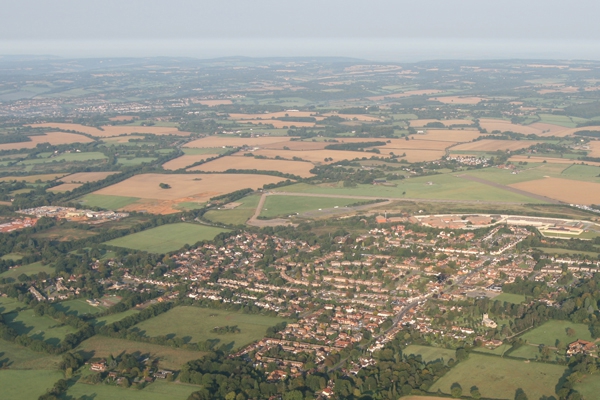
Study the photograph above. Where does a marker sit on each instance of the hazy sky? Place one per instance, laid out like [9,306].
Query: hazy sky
[376,29]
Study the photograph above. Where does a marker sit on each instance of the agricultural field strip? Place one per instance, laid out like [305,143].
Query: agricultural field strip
[510,189]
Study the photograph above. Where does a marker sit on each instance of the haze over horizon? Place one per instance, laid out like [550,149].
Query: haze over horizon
[380,30]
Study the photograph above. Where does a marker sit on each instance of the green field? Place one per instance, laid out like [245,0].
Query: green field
[134,161]
[283,206]
[41,328]
[549,332]
[499,378]
[16,357]
[205,150]
[109,319]
[510,298]
[500,350]
[167,238]
[529,172]
[77,307]
[583,172]
[158,390]
[8,304]
[29,269]
[196,324]
[12,257]
[26,385]
[107,202]
[169,357]
[235,216]
[589,387]
[557,251]
[562,120]
[68,157]
[64,233]
[429,353]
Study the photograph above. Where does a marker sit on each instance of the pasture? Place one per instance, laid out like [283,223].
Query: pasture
[109,319]
[552,331]
[499,378]
[67,157]
[14,357]
[64,233]
[166,238]
[235,214]
[8,304]
[448,135]
[568,191]
[510,298]
[419,123]
[32,178]
[29,269]
[186,160]
[282,206]
[316,156]
[223,164]
[158,390]
[109,130]
[41,328]
[429,354]
[196,324]
[77,307]
[27,384]
[54,138]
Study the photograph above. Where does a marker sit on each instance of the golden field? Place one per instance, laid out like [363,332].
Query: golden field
[53,138]
[109,130]
[568,191]
[186,161]
[222,164]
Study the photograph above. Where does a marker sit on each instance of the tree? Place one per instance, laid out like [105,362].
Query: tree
[461,354]
[571,332]
[475,393]
[164,186]
[456,390]
[520,394]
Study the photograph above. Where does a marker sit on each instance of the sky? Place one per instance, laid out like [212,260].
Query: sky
[384,30]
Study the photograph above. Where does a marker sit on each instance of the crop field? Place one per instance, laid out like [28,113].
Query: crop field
[196,324]
[278,124]
[32,178]
[184,188]
[419,123]
[186,160]
[42,328]
[222,164]
[197,151]
[8,304]
[65,187]
[29,269]
[416,142]
[233,141]
[107,202]
[109,130]
[493,145]
[169,357]
[166,238]
[54,138]
[554,330]
[569,191]
[77,307]
[551,160]
[26,385]
[503,126]
[404,94]
[316,156]
[429,353]
[510,298]
[297,145]
[499,378]
[269,116]
[594,148]
[109,319]
[156,391]
[448,135]
[85,177]
[16,357]
[355,117]
[458,99]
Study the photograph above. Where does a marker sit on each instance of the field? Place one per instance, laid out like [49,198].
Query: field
[589,387]
[186,161]
[67,157]
[32,178]
[246,163]
[419,123]
[278,124]
[169,357]
[552,160]
[63,234]
[499,378]
[65,187]
[77,307]
[196,324]
[458,99]
[448,135]
[29,269]
[15,357]
[8,304]
[184,188]
[156,391]
[166,238]
[316,156]
[234,141]
[109,130]
[429,354]
[583,172]
[42,328]
[510,298]
[573,192]
[107,202]
[109,319]
[549,332]
[84,177]
[238,215]
[26,385]
[54,138]
[404,94]
[493,145]
[282,206]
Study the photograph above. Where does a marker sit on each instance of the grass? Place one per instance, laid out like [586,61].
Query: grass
[64,234]
[41,328]
[29,269]
[67,157]
[8,304]
[510,298]
[134,161]
[156,391]
[16,357]
[229,217]
[189,205]
[167,238]
[78,307]
[169,357]
[109,319]
[26,385]
[12,257]
[499,378]
[589,387]
[188,151]
[107,202]
[549,332]
[282,206]
[528,172]
[196,323]
[500,350]
[584,172]
[429,353]
[558,251]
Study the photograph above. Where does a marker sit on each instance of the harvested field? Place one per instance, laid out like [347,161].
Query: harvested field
[493,145]
[124,118]
[422,155]
[296,145]
[573,192]
[84,177]
[32,178]
[404,94]
[502,125]
[278,124]
[212,103]
[235,141]
[109,130]
[357,117]
[317,156]
[448,135]
[594,149]
[222,164]
[419,123]
[53,138]
[65,187]
[121,139]
[458,99]
[415,144]
[269,116]
[184,188]
[535,159]
[186,161]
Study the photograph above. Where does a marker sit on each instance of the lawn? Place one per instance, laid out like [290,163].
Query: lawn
[169,357]
[156,391]
[16,357]
[167,238]
[29,269]
[109,319]
[529,172]
[499,378]
[510,298]
[195,324]
[77,307]
[26,385]
[429,354]
[549,332]
[282,206]
[41,328]
[107,202]
[8,304]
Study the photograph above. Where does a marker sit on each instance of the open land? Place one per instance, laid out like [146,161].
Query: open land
[282,206]
[54,138]
[38,327]
[458,99]
[186,160]
[429,354]
[156,391]
[110,130]
[85,177]
[551,331]
[419,123]
[223,164]
[65,187]
[574,192]
[30,269]
[17,384]
[494,145]
[233,141]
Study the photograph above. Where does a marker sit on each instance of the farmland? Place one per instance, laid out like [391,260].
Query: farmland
[552,331]
[228,141]
[563,189]
[42,328]
[30,269]
[156,391]
[236,214]
[8,305]
[196,324]
[17,357]
[223,164]
[106,201]
[429,354]
[108,131]
[282,206]
[84,177]
[166,238]
[493,145]
[17,384]
[187,160]
[54,138]
[109,319]
[499,378]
